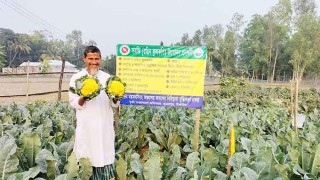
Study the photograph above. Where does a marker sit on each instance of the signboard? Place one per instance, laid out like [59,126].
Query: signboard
[162,75]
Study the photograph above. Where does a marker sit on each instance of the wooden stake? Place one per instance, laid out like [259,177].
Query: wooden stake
[196,131]
[63,62]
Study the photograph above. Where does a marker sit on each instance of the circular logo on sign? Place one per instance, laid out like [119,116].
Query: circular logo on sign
[124,50]
[198,53]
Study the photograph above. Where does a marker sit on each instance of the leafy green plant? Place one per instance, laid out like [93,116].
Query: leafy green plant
[36,140]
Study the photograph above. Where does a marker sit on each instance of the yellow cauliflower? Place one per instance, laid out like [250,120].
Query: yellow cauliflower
[89,87]
[116,88]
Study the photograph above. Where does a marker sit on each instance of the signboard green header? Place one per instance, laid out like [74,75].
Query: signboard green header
[180,52]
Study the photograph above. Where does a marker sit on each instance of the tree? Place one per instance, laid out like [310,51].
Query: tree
[313,70]
[185,40]
[109,64]
[253,49]
[2,55]
[6,40]
[75,41]
[44,66]
[20,44]
[210,38]
[14,44]
[226,47]
[39,44]
[207,40]
[304,7]
[90,43]
[196,40]
[278,33]
[304,44]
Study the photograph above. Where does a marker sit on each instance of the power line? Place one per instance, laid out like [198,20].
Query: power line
[32,17]
[20,12]
[37,17]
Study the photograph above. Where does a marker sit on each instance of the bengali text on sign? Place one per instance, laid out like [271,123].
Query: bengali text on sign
[162,75]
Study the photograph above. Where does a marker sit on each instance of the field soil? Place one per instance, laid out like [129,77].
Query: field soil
[15,88]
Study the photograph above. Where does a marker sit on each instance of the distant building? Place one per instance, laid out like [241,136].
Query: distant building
[36,67]
[33,67]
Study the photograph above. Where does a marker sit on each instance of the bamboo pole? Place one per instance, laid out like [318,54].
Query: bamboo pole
[116,119]
[196,131]
[27,93]
[296,104]
[291,97]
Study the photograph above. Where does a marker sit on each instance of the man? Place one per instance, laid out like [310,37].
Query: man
[94,138]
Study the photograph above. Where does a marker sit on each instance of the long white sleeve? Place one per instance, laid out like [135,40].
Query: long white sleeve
[74,98]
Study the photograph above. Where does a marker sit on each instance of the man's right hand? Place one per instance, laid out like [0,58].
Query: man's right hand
[82,100]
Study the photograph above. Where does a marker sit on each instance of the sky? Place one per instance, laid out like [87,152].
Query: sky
[127,21]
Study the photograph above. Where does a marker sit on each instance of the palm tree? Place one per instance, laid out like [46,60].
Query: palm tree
[19,45]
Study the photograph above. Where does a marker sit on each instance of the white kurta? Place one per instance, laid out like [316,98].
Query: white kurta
[95,135]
